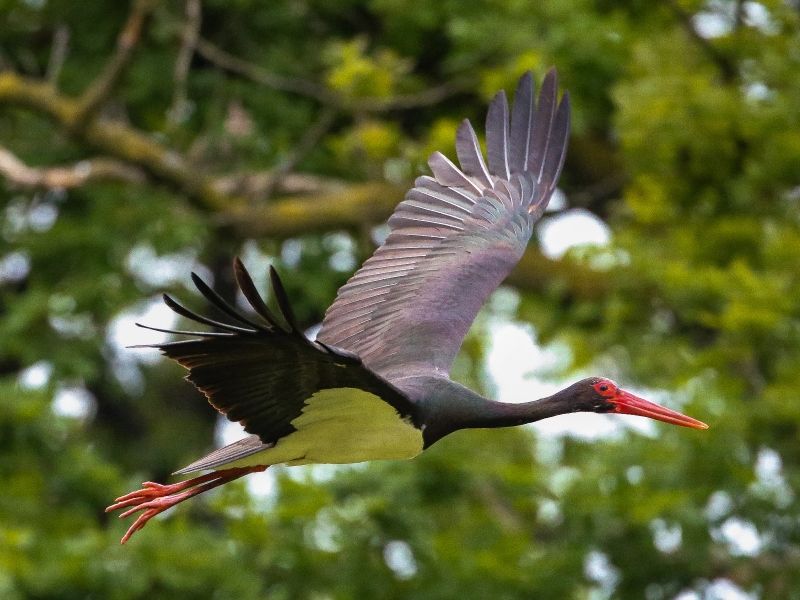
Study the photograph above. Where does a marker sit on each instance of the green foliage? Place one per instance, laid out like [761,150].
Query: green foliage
[698,295]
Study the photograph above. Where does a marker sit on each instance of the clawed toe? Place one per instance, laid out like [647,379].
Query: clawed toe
[154,498]
[149,490]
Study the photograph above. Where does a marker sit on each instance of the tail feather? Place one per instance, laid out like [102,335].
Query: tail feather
[226,455]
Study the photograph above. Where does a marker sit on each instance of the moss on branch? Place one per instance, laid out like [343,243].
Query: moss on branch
[115,139]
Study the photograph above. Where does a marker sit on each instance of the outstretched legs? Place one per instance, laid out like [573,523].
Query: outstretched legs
[155,498]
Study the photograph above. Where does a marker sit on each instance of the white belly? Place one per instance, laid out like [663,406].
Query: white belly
[342,425]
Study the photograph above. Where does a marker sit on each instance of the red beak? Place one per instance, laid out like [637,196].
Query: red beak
[628,404]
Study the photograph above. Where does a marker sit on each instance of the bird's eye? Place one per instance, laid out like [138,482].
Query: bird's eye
[604,388]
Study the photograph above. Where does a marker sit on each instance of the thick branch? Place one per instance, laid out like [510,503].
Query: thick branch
[115,139]
[128,144]
[166,164]
[341,208]
[260,184]
[36,95]
[19,174]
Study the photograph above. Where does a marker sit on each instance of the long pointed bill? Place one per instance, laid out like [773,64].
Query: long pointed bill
[628,404]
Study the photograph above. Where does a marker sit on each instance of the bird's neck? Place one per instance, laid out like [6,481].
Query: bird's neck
[457,407]
[503,414]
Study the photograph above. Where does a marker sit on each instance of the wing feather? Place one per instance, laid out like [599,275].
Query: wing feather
[557,150]
[470,156]
[453,239]
[540,137]
[447,174]
[521,123]
[497,136]
[261,375]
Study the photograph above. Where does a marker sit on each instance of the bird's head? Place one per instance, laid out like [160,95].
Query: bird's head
[601,395]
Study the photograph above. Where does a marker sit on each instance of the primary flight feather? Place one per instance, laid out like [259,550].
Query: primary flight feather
[375,383]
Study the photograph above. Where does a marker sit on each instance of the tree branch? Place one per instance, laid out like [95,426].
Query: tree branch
[191,32]
[36,95]
[315,91]
[100,89]
[115,139]
[427,97]
[58,53]
[341,208]
[19,174]
[262,76]
[260,184]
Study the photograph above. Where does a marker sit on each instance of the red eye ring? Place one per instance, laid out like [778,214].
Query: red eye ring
[604,388]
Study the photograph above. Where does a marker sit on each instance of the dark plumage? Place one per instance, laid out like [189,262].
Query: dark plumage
[375,384]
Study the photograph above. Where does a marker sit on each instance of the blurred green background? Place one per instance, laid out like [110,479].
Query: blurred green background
[139,141]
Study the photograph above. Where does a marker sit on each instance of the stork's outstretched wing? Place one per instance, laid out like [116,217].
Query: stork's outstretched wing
[263,371]
[453,239]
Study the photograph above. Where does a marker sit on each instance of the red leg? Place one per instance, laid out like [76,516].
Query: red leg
[155,498]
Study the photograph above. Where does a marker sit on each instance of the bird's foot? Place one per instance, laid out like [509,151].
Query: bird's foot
[155,498]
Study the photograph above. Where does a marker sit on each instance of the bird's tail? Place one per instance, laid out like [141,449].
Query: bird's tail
[226,455]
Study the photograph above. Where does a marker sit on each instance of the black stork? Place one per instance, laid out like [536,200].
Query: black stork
[374,384]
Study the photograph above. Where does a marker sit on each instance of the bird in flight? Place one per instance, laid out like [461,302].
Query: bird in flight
[374,383]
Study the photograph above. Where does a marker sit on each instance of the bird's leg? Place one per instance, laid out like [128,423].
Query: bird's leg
[155,498]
